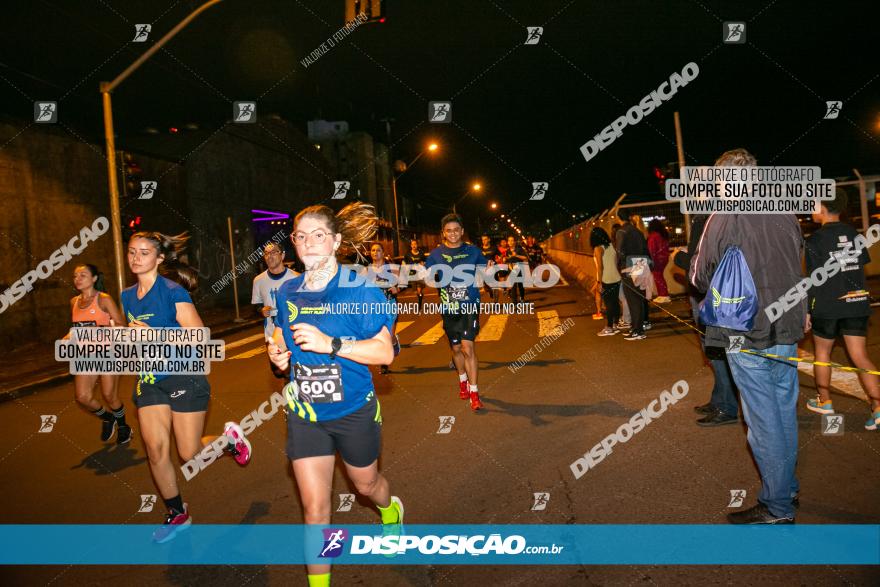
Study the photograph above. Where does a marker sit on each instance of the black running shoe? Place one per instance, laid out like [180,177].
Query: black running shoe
[124,436]
[108,428]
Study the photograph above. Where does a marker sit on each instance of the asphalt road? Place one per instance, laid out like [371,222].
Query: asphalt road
[538,420]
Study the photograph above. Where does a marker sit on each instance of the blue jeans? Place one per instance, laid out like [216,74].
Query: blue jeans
[769,392]
[724,390]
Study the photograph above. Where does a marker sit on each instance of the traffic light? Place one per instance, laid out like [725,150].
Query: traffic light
[130,225]
[661,176]
[372,9]
[131,175]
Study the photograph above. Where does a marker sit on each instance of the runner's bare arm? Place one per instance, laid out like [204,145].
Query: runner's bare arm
[277,350]
[187,316]
[372,351]
[106,303]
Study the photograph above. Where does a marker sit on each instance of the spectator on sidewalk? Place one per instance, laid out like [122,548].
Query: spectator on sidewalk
[771,245]
[266,284]
[625,321]
[840,306]
[607,278]
[633,258]
[658,247]
[722,407]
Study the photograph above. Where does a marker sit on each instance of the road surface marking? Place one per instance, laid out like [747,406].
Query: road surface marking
[555,270]
[248,354]
[402,325]
[843,381]
[548,321]
[431,336]
[494,328]
[245,341]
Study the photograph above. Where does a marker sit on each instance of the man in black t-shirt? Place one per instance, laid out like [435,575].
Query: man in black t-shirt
[414,257]
[840,306]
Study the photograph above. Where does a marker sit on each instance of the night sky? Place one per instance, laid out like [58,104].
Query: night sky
[520,112]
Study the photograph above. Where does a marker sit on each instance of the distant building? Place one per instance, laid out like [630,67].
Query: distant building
[53,184]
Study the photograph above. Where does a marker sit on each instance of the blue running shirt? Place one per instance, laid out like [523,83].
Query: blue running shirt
[366,313]
[456,292]
[157,309]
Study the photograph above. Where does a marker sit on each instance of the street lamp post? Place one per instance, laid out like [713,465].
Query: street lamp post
[105,89]
[475,187]
[403,169]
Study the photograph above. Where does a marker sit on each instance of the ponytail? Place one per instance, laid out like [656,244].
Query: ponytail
[357,223]
[172,247]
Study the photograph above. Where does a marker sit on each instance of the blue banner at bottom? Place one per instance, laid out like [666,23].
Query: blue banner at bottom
[443,544]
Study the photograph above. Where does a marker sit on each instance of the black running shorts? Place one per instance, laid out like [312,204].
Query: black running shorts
[357,436]
[459,327]
[184,393]
[833,327]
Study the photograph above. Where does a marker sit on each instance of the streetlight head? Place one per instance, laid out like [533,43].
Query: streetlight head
[494,206]
[477,187]
[433,147]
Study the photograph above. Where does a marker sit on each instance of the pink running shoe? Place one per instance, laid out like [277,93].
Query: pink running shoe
[174,523]
[239,446]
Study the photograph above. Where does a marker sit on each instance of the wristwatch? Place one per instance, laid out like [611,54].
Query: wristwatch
[335,345]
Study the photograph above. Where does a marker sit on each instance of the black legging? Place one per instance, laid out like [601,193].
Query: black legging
[637,302]
[611,299]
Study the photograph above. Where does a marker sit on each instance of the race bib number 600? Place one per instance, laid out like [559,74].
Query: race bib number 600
[319,384]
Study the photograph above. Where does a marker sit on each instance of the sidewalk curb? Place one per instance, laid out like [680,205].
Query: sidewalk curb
[25,389]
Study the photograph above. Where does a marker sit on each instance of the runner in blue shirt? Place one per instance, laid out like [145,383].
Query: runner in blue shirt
[166,401]
[332,323]
[460,303]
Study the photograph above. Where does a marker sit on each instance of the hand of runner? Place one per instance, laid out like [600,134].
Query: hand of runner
[808,323]
[278,356]
[266,311]
[138,324]
[309,338]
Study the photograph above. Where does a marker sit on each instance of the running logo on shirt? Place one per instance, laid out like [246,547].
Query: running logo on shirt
[292,309]
[132,318]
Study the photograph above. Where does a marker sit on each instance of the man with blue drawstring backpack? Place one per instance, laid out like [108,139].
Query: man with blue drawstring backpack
[745,262]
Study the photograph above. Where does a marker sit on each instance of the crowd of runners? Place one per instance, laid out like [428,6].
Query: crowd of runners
[332,405]
[325,357]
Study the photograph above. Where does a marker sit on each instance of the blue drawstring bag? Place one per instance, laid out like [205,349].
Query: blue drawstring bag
[732,300]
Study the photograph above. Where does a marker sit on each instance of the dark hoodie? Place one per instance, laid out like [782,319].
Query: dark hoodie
[772,245]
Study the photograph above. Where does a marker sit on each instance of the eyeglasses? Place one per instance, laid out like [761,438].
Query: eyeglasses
[316,237]
[271,253]
[452,230]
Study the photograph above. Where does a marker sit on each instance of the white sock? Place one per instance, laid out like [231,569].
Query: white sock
[462,377]
[472,388]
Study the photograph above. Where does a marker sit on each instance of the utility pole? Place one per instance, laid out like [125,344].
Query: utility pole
[681,163]
[105,88]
